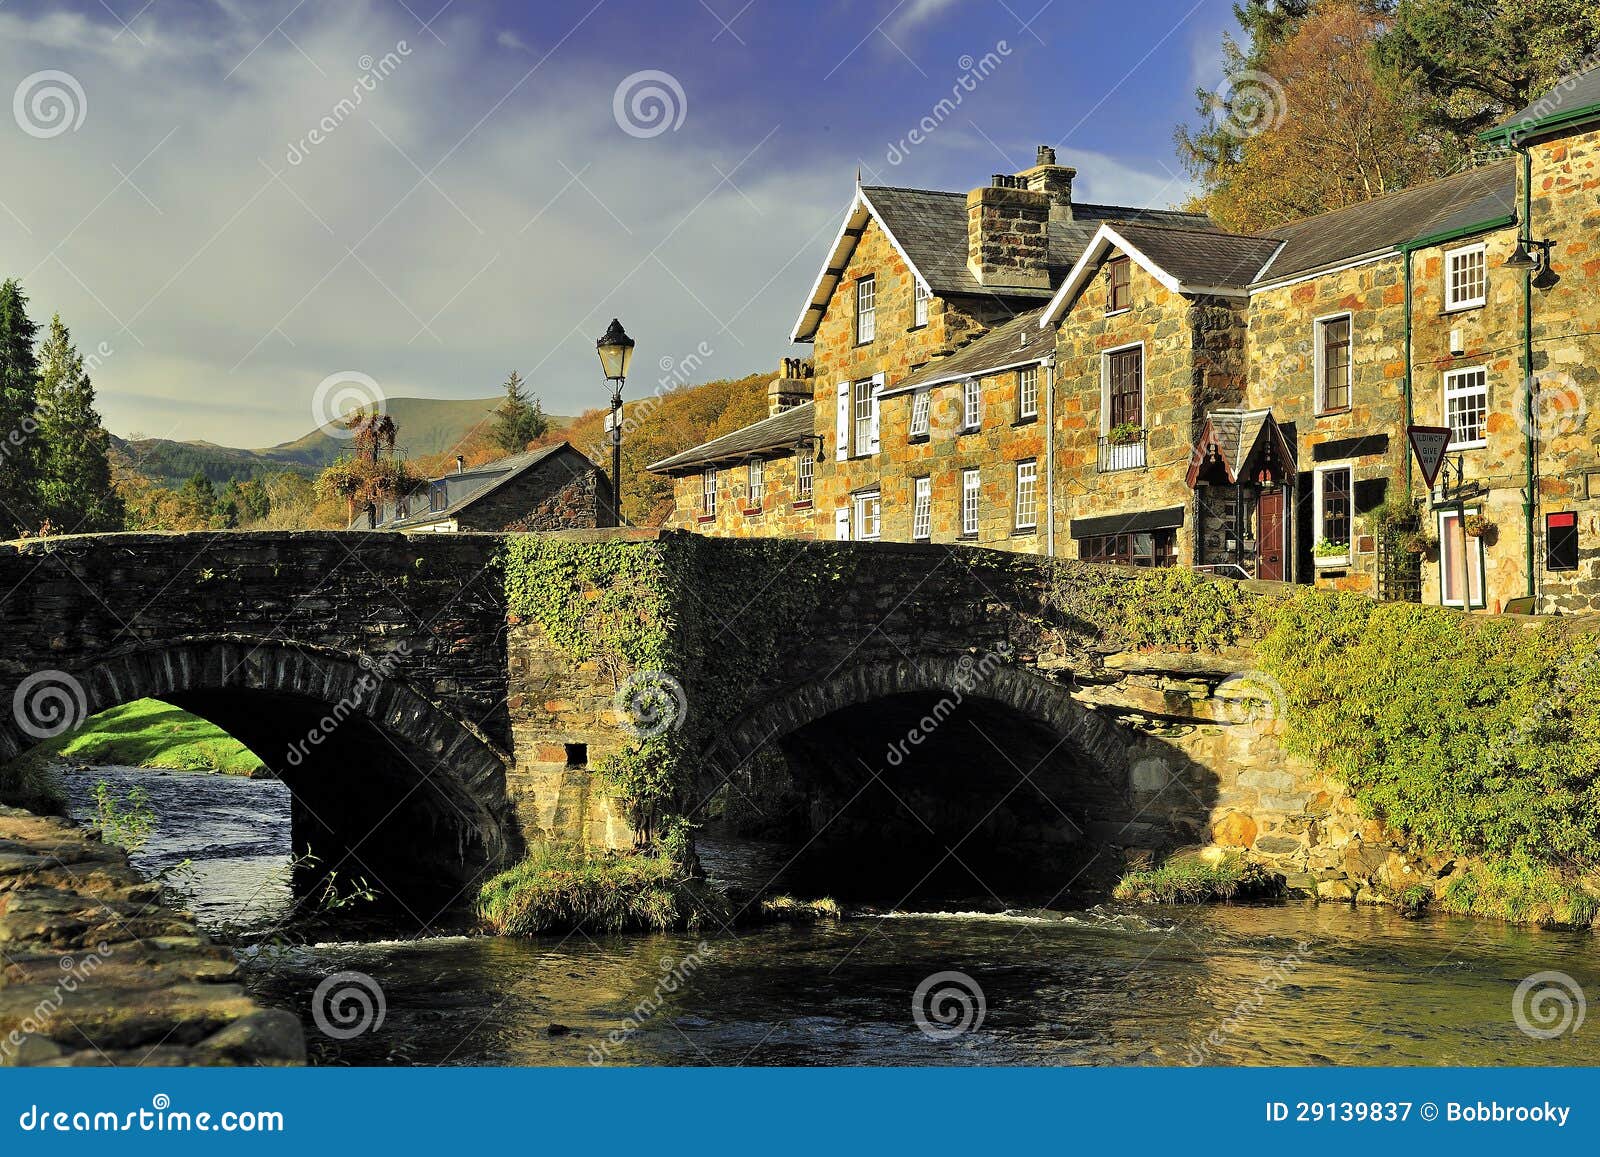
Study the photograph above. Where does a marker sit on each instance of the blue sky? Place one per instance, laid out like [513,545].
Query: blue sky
[486,206]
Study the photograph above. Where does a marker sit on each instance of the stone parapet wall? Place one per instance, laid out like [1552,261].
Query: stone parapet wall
[95,969]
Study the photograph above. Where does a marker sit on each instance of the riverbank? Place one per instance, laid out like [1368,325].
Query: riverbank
[153,734]
[98,970]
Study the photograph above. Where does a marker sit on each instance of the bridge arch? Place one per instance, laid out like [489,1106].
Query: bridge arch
[949,757]
[386,784]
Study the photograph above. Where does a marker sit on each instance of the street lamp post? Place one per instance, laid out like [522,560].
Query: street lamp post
[616,354]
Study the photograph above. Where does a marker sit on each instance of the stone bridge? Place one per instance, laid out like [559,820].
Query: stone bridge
[928,696]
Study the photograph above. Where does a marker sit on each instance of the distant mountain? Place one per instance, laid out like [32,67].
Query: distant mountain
[428,426]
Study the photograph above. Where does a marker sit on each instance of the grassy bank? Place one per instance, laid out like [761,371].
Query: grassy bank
[558,888]
[1194,881]
[150,733]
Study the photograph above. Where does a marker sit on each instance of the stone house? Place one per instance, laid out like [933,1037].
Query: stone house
[1238,403]
[551,488]
[913,279]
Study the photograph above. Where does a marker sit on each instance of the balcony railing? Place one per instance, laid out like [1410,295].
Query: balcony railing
[1122,454]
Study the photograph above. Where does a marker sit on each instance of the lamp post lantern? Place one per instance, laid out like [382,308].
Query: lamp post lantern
[616,354]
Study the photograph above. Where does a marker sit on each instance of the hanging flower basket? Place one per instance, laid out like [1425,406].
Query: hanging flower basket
[1477,525]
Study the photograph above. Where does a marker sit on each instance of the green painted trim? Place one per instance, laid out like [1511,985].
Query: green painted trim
[1503,133]
[1407,386]
[1530,500]
[1433,239]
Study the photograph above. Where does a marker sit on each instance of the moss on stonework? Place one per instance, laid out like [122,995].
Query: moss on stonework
[684,626]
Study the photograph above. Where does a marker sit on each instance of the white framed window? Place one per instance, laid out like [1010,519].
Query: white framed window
[708,492]
[756,485]
[922,510]
[866,310]
[868,513]
[1452,556]
[1028,494]
[1333,514]
[969,502]
[864,415]
[1466,277]
[971,404]
[921,404]
[805,474]
[1333,363]
[1028,392]
[1466,407]
[919,307]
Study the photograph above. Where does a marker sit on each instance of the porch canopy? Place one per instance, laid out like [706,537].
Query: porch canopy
[1241,446]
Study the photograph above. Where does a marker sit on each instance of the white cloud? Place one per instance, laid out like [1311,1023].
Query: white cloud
[507,38]
[227,282]
[917,13]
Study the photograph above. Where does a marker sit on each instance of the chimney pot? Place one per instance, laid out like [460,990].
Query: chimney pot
[461,464]
[1046,155]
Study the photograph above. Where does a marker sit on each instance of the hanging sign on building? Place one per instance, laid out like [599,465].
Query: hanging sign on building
[1429,443]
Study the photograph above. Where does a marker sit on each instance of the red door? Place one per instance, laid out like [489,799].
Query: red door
[1269,551]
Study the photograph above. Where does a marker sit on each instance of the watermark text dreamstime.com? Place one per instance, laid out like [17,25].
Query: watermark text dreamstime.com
[970,675]
[75,971]
[1274,975]
[674,974]
[372,71]
[973,73]
[374,672]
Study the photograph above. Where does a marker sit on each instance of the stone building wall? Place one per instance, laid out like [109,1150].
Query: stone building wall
[1191,361]
[1491,337]
[560,493]
[898,348]
[1368,435]
[1566,334]
[781,513]
[1003,439]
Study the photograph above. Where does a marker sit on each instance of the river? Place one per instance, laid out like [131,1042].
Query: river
[1272,984]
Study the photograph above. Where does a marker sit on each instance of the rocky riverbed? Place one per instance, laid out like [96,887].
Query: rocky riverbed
[96,969]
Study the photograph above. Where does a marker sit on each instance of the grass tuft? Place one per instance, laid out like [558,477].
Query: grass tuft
[1193,881]
[1520,893]
[559,887]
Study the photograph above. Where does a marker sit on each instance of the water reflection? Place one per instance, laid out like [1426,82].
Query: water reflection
[1292,984]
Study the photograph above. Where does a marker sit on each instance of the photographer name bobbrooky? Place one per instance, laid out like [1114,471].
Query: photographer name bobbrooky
[1495,1111]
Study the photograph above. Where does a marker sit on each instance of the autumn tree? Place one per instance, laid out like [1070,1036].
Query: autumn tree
[372,473]
[1328,125]
[1212,147]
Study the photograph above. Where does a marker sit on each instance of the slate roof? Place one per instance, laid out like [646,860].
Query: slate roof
[1237,434]
[1450,203]
[780,430]
[1201,257]
[1568,100]
[1066,243]
[931,225]
[469,486]
[1018,342]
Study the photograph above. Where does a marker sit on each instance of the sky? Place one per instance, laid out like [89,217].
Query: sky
[251,213]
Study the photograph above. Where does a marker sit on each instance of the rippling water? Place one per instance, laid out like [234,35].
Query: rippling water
[1286,984]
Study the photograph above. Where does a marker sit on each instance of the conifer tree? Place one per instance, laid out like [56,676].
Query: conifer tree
[518,420]
[73,487]
[19,378]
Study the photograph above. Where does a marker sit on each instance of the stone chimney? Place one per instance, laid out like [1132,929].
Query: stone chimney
[1051,179]
[1008,239]
[792,387]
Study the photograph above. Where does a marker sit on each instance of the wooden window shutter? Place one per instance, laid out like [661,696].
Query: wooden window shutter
[877,384]
[841,449]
